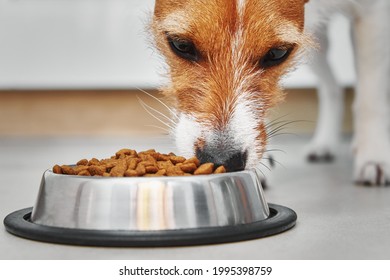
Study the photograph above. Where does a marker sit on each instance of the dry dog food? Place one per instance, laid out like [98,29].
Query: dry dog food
[129,163]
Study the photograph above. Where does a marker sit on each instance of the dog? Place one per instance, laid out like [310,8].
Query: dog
[370,30]
[225,60]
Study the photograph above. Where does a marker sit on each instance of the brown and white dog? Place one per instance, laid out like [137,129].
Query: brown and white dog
[225,60]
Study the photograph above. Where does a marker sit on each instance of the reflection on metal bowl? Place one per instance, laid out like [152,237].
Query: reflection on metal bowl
[150,203]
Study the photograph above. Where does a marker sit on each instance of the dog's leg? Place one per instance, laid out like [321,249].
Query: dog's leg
[331,105]
[371,110]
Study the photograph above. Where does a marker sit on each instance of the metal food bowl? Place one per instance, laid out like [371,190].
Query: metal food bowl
[150,211]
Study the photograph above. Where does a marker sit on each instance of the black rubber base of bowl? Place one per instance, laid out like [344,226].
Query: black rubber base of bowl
[280,219]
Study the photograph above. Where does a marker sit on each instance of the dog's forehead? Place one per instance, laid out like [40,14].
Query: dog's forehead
[202,20]
[198,10]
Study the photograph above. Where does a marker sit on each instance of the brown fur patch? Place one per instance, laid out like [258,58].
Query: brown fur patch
[230,44]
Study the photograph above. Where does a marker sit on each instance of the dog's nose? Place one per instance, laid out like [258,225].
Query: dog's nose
[236,162]
[233,161]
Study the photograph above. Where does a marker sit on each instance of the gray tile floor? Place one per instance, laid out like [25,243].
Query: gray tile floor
[336,219]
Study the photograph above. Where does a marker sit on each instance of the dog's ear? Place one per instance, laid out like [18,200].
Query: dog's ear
[306,1]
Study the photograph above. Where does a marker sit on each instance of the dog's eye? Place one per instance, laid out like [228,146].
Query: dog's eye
[184,49]
[274,56]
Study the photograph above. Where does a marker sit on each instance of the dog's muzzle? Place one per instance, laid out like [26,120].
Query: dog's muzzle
[232,160]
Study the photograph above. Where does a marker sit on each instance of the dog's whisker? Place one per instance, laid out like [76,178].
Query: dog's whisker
[151,109]
[284,123]
[282,126]
[277,120]
[154,116]
[279,131]
[281,134]
[274,150]
[278,128]
[276,132]
[159,127]
[270,125]
[155,110]
[257,168]
[159,101]
[276,161]
[266,166]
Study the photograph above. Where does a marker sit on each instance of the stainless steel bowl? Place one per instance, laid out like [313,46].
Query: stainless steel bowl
[149,204]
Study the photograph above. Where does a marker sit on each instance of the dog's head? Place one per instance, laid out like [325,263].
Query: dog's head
[225,61]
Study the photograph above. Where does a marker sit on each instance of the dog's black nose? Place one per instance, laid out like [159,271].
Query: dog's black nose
[236,162]
[233,161]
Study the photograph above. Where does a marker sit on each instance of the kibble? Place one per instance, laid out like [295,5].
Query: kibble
[149,163]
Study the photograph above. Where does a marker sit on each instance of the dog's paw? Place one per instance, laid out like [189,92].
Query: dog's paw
[320,153]
[372,170]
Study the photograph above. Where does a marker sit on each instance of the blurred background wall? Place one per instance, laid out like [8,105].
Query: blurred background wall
[75,67]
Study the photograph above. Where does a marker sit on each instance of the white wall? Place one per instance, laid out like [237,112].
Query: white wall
[100,44]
